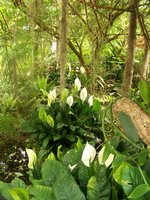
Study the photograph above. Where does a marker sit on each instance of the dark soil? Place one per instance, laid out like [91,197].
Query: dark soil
[13,158]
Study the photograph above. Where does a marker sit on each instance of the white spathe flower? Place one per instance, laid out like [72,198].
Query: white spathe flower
[69,100]
[77,84]
[82,70]
[53,95]
[32,158]
[83,94]
[108,161]
[88,154]
[90,100]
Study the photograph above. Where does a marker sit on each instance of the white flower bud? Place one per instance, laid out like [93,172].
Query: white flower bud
[82,70]
[52,94]
[69,100]
[83,94]
[90,100]
[77,84]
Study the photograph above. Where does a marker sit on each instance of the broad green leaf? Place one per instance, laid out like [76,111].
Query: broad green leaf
[19,194]
[42,115]
[79,143]
[144,91]
[18,183]
[98,186]
[50,120]
[70,137]
[128,177]
[139,191]
[4,190]
[51,169]
[45,142]
[65,188]
[96,105]
[118,160]
[32,158]
[51,156]
[41,192]
[84,175]
[142,156]
[64,94]
[128,126]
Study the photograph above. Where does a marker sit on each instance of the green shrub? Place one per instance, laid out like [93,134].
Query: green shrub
[61,119]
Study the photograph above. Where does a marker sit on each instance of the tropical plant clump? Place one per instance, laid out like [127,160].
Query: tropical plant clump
[62,118]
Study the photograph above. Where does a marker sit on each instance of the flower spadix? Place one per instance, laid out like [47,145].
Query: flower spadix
[69,100]
[88,154]
[77,84]
[83,94]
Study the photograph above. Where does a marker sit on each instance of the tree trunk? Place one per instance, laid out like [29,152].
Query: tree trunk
[36,12]
[145,66]
[62,44]
[128,71]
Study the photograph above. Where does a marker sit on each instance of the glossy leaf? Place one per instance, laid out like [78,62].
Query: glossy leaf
[64,94]
[19,194]
[98,186]
[42,114]
[50,120]
[51,169]
[41,192]
[65,188]
[139,191]
[142,156]
[144,91]
[128,177]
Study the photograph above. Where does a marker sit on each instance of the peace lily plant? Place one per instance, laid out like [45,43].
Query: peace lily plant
[71,114]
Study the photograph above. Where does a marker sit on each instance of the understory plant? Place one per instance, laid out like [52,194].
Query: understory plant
[86,174]
[117,168]
[61,118]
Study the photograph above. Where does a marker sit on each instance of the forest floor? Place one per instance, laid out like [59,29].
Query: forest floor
[13,157]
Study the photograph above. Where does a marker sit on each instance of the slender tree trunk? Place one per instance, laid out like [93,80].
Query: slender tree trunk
[36,12]
[145,66]
[62,44]
[15,78]
[128,71]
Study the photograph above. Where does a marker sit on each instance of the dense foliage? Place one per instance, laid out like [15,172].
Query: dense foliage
[58,84]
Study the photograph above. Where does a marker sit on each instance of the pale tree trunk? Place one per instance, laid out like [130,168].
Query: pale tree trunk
[62,44]
[15,78]
[145,66]
[36,12]
[128,71]
[15,70]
